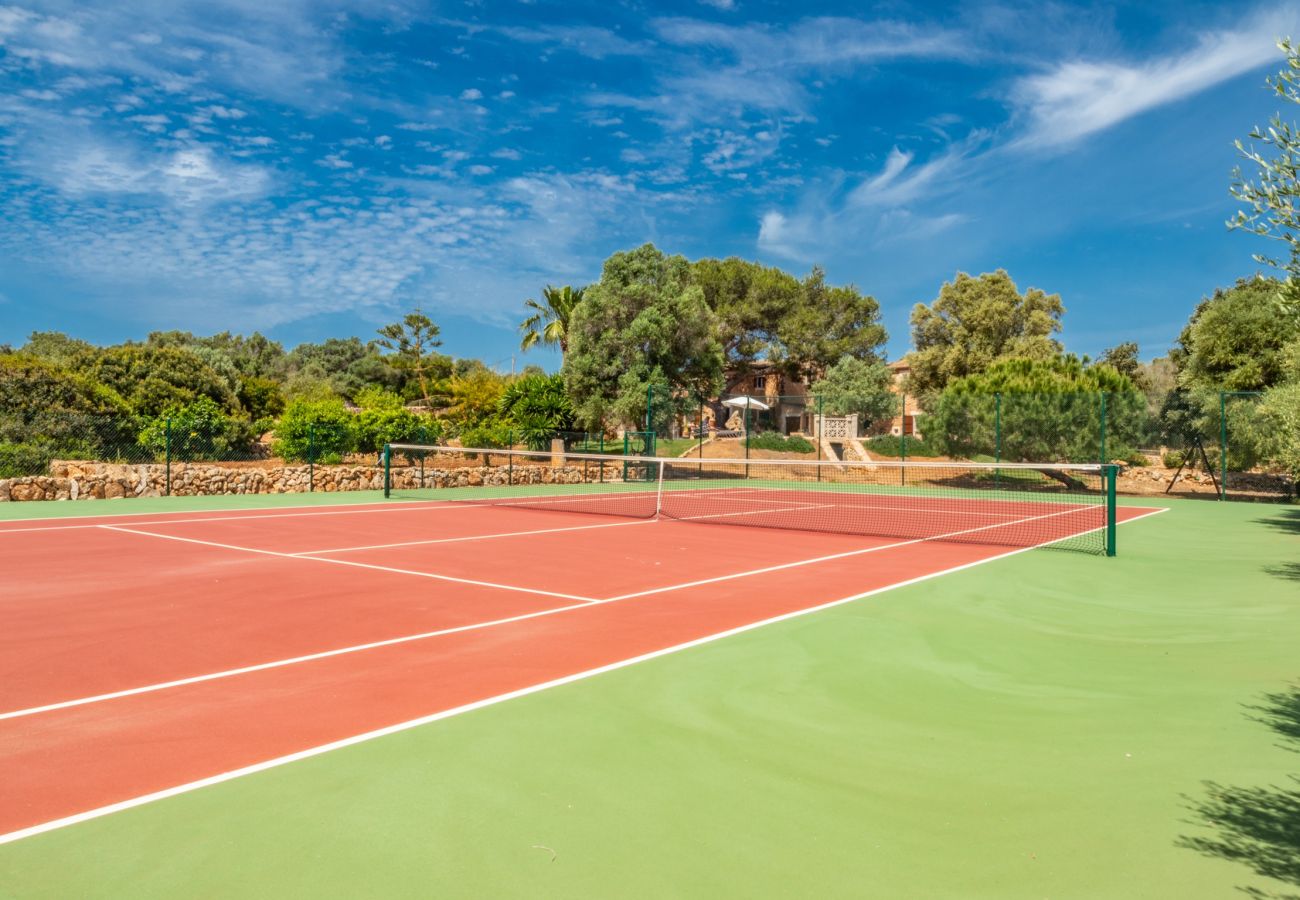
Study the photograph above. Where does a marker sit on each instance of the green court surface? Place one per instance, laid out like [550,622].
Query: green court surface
[1044,725]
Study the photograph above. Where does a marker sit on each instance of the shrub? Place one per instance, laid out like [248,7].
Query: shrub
[377,427]
[774,440]
[492,435]
[17,460]
[893,445]
[197,430]
[1173,458]
[322,429]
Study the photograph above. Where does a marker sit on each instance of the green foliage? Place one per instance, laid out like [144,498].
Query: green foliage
[539,409]
[21,459]
[749,301]
[260,398]
[1123,358]
[893,445]
[474,395]
[775,440]
[1049,411]
[154,379]
[319,429]
[411,344]
[1173,458]
[343,367]
[645,323]
[827,324]
[1236,341]
[488,434]
[855,386]
[56,347]
[30,387]
[384,420]
[976,322]
[549,320]
[1279,414]
[197,430]
[1271,200]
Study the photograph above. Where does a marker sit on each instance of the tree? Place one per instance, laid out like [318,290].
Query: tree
[411,343]
[976,322]
[1235,341]
[1272,200]
[826,324]
[197,430]
[537,408]
[552,315]
[644,325]
[153,379]
[1048,411]
[749,301]
[56,347]
[315,430]
[1123,358]
[857,387]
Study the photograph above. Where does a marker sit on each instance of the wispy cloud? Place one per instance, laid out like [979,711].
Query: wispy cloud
[1080,97]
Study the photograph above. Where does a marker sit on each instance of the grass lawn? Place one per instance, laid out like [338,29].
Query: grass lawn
[1051,724]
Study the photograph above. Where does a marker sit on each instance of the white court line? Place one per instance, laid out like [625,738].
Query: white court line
[440,505]
[144,689]
[280,663]
[348,562]
[399,727]
[472,537]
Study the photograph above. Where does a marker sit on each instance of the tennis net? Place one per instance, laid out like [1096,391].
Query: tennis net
[1017,505]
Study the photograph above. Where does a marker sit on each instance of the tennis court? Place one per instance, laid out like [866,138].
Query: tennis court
[598,678]
[148,655]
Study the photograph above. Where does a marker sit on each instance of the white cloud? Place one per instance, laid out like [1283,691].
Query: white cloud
[334,161]
[1080,97]
[471,94]
[507,153]
[724,5]
[481,170]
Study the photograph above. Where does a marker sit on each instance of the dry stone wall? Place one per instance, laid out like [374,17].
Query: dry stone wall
[90,480]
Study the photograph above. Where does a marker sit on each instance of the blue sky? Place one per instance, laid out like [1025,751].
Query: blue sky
[316,168]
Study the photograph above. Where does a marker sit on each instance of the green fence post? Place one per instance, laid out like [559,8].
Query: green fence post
[388,483]
[818,437]
[902,441]
[1103,429]
[510,459]
[1111,474]
[997,428]
[311,457]
[1223,445]
[167,440]
[649,404]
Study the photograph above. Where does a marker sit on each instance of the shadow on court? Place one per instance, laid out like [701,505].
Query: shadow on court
[1257,826]
[1287,520]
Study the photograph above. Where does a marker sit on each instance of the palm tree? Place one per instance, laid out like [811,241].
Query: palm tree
[554,311]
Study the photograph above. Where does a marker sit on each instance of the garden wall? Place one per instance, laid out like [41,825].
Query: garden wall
[91,480]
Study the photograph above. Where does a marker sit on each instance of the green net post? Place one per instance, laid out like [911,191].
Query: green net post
[1223,445]
[167,464]
[1111,474]
[388,471]
[1103,429]
[311,457]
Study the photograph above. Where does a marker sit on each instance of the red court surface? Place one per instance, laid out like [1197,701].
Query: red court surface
[142,654]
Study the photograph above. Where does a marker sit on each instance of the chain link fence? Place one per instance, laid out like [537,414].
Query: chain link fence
[1212,443]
